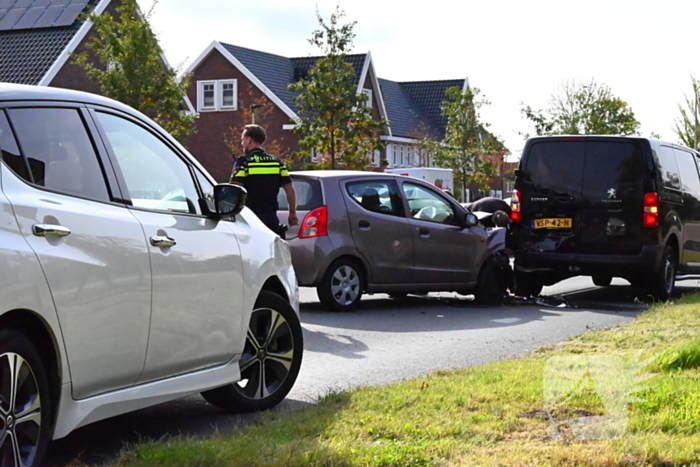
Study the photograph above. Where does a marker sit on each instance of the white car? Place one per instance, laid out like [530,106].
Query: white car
[128,277]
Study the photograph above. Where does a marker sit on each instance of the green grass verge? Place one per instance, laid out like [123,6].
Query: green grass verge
[491,415]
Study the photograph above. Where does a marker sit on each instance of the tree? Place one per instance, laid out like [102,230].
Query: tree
[687,124]
[578,109]
[130,69]
[335,120]
[467,144]
[263,111]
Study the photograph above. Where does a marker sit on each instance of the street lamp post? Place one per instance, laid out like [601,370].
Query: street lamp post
[252,110]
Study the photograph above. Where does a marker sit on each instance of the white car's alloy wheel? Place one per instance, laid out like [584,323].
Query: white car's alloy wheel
[20,411]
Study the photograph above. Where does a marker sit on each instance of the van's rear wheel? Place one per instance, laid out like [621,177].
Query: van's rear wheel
[602,280]
[663,283]
[342,285]
[527,285]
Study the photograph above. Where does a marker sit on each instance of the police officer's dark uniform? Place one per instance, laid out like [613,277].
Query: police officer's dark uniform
[262,175]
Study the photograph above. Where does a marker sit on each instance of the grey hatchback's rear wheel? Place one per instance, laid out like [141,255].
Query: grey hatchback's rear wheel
[25,410]
[270,362]
[342,285]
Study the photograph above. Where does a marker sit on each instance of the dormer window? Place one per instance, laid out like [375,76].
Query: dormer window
[217,95]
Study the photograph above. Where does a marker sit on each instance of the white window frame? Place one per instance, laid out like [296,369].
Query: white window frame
[368,93]
[221,84]
[218,95]
[200,95]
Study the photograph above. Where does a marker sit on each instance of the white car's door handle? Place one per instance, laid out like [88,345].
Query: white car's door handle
[44,230]
[162,241]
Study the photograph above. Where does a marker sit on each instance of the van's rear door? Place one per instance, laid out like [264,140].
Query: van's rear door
[612,197]
[550,191]
[583,195]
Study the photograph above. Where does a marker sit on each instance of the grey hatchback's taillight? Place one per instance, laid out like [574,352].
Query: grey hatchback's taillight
[315,223]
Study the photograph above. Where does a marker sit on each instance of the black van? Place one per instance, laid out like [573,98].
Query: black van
[606,206]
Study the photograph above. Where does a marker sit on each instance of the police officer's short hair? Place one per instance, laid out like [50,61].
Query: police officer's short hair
[256,133]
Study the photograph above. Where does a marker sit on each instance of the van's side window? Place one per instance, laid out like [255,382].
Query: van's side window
[668,168]
[688,171]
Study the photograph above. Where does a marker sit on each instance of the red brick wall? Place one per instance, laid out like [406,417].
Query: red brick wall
[216,131]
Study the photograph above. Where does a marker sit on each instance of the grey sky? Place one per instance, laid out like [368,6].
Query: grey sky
[514,51]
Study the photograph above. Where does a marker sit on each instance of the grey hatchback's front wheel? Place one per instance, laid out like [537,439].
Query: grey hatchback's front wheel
[270,362]
[342,285]
[494,277]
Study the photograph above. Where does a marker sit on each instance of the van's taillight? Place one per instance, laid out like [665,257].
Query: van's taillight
[515,214]
[315,223]
[651,210]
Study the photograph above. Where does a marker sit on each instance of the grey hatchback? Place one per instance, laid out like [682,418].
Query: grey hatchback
[377,232]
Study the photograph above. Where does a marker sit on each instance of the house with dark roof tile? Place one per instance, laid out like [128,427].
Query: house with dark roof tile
[37,38]
[227,80]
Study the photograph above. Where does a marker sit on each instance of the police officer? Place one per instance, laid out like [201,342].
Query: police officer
[262,175]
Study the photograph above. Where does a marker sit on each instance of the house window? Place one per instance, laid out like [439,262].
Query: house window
[217,95]
[207,95]
[228,94]
[368,93]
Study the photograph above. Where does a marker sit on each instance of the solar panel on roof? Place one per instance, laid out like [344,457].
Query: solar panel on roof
[70,14]
[2,12]
[29,18]
[23,3]
[6,4]
[11,18]
[60,2]
[41,3]
[50,15]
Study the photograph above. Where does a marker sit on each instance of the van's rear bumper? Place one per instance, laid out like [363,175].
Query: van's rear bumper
[567,265]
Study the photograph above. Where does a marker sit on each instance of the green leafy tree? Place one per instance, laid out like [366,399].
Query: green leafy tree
[335,120]
[588,108]
[467,147]
[129,68]
[687,123]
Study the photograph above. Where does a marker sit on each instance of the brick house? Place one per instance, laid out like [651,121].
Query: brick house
[227,81]
[37,38]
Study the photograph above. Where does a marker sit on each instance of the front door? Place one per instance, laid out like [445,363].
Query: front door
[444,252]
[196,261]
[91,249]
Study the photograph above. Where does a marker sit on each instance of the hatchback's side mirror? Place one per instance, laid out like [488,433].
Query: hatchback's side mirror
[229,200]
[470,220]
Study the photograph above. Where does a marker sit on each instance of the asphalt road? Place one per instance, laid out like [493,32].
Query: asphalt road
[385,340]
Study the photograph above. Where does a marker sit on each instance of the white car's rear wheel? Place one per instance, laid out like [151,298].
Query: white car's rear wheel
[25,410]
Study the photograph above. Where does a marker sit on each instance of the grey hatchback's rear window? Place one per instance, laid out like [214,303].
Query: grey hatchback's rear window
[308,192]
